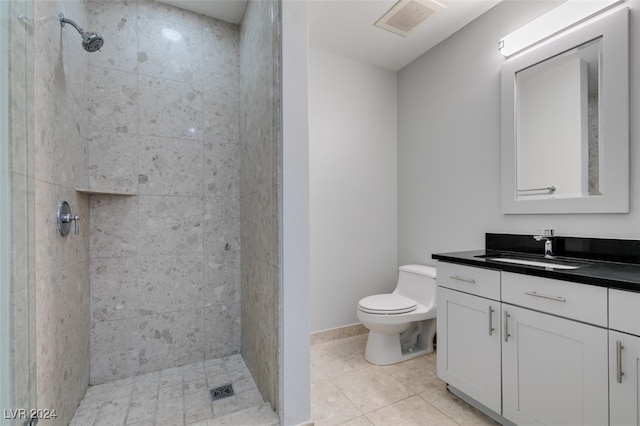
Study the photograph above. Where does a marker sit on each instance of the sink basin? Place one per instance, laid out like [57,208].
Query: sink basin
[534,263]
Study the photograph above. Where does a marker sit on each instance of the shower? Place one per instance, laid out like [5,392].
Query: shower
[91,41]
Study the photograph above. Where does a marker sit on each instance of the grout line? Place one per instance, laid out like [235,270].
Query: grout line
[439,410]
[157,402]
[137,170]
[348,399]
[184,403]
[133,386]
[207,388]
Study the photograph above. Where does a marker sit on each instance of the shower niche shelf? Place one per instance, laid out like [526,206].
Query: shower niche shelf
[94,191]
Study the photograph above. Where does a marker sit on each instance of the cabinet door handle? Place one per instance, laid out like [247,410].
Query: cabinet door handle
[506,326]
[491,329]
[619,372]
[466,280]
[544,296]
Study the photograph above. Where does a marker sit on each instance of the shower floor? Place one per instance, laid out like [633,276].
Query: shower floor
[178,396]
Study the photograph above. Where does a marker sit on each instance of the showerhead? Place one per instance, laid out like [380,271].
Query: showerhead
[91,42]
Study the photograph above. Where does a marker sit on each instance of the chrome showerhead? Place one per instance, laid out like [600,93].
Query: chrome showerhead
[91,41]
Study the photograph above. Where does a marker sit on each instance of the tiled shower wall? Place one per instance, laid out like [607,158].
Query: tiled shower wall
[62,263]
[259,192]
[163,117]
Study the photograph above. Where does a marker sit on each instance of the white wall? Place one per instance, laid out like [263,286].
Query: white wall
[294,209]
[353,185]
[449,144]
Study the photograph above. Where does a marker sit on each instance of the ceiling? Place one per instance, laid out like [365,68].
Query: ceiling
[345,27]
[226,10]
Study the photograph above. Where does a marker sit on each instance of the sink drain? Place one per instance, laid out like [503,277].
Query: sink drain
[220,392]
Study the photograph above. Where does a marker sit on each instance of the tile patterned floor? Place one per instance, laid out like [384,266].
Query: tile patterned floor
[347,390]
[178,396]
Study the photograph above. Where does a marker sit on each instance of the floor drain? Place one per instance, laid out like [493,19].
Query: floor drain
[221,392]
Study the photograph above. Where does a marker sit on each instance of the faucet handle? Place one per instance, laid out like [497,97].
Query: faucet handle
[64,218]
[547,232]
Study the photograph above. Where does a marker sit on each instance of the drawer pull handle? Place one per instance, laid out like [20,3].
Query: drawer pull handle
[491,329]
[506,326]
[466,280]
[544,296]
[619,372]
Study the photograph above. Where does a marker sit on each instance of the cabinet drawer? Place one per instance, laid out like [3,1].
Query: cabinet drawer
[581,302]
[624,311]
[478,281]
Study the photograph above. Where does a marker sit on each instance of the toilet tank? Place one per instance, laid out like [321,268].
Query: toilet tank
[417,282]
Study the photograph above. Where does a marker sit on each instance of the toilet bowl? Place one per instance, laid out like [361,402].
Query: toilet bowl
[401,324]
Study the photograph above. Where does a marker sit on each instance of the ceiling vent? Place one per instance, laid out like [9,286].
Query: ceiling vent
[406,15]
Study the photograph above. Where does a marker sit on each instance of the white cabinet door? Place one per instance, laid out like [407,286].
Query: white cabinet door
[468,351]
[624,396]
[554,371]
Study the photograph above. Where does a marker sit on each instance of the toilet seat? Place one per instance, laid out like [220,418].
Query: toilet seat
[387,304]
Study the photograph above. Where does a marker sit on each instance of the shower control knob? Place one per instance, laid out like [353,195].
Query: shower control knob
[75,218]
[64,218]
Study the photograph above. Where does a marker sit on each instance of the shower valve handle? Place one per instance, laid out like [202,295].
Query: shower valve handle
[67,218]
[64,218]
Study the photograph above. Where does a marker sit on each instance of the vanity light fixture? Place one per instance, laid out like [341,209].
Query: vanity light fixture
[567,15]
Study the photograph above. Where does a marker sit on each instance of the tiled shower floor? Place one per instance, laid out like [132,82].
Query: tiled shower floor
[178,396]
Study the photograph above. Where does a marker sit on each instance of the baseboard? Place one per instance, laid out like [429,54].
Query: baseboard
[337,333]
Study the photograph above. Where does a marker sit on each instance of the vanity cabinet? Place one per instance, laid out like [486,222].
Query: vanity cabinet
[554,370]
[469,331]
[624,375]
[533,350]
[624,358]
[469,351]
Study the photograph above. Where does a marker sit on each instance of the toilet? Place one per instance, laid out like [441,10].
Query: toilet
[401,324]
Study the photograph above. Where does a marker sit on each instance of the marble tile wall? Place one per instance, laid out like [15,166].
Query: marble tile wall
[163,114]
[259,193]
[60,157]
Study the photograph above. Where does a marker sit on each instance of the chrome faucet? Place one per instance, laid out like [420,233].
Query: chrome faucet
[548,244]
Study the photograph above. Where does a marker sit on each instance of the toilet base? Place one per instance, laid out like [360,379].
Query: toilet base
[391,353]
[386,349]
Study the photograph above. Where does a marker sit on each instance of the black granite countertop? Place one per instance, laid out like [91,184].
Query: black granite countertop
[624,276]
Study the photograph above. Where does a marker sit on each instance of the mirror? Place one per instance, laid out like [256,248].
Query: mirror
[565,123]
[557,129]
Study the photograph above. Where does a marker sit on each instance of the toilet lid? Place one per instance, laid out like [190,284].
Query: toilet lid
[387,304]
